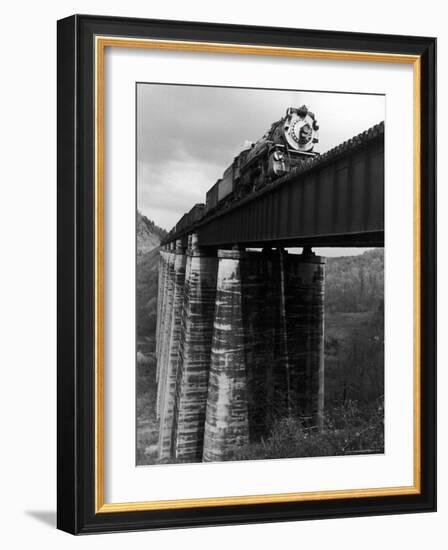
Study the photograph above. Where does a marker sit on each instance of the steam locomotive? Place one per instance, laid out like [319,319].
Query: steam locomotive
[284,146]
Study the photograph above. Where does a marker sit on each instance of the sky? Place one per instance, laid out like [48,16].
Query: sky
[188,135]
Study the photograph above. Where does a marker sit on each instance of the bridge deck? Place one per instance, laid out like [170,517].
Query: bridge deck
[334,200]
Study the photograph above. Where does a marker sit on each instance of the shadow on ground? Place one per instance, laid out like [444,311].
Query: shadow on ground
[48,517]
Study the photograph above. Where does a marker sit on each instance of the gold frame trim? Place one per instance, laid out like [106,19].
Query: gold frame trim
[101,42]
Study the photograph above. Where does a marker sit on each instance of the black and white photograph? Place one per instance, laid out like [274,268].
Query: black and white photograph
[259,274]
[222,283]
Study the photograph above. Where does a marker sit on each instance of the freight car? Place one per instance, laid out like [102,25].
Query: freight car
[196,213]
[211,198]
[191,217]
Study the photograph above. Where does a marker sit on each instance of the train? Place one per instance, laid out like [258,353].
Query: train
[286,145]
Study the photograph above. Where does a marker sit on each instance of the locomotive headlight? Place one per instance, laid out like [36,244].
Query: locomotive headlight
[278,156]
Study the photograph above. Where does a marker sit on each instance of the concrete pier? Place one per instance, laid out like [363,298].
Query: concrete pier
[194,353]
[171,357]
[165,330]
[160,299]
[240,343]
[227,419]
[304,322]
[260,295]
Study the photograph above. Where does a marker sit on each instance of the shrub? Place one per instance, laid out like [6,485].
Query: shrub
[348,429]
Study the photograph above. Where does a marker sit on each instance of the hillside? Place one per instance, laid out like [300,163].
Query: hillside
[146,300]
[149,235]
[354,328]
[355,283]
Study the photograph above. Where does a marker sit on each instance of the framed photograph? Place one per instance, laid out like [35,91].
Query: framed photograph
[246,274]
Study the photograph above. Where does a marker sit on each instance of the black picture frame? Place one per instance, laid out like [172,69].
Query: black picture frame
[76,289]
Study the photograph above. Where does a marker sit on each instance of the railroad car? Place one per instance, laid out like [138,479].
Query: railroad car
[211,199]
[182,223]
[196,213]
